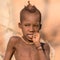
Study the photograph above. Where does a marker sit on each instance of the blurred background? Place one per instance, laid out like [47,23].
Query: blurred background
[9,19]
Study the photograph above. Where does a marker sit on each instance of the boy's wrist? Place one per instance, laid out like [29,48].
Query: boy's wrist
[39,47]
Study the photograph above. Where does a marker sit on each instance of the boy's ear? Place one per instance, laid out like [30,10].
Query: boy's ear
[19,25]
[40,26]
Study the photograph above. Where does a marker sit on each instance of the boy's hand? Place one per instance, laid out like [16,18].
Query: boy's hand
[36,39]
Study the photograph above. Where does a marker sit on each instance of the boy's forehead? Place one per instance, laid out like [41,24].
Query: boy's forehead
[31,20]
[32,16]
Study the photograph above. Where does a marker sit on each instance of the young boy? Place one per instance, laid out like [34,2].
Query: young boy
[28,47]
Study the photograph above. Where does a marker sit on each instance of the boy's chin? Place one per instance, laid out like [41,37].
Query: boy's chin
[30,39]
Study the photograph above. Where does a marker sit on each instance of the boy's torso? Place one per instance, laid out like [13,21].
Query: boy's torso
[25,51]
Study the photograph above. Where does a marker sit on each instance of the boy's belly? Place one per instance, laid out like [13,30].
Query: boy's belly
[26,58]
[26,55]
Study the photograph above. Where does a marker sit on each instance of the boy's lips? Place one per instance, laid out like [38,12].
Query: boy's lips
[30,35]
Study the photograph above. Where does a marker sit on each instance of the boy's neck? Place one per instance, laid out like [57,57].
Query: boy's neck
[27,41]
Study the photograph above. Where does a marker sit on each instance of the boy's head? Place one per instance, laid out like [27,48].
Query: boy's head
[29,9]
[30,18]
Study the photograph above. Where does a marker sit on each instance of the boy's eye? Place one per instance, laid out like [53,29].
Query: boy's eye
[32,25]
[27,24]
[36,25]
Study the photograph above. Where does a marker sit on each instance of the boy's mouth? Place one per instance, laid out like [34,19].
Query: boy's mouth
[31,35]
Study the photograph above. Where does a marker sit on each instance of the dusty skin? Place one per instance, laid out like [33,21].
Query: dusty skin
[22,51]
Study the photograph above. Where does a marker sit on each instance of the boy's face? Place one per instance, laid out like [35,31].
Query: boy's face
[30,25]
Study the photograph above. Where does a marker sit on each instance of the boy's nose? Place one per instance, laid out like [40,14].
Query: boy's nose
[31,29]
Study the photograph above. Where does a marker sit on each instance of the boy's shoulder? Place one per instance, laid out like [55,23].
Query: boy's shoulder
[45,46]
[14,39]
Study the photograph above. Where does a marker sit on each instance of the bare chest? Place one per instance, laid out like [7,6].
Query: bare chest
[26,52]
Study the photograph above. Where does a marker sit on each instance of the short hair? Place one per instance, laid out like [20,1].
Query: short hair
[31,9]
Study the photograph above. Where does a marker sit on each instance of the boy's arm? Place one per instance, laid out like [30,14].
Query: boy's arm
[47,50]
[42,55]
[10,50]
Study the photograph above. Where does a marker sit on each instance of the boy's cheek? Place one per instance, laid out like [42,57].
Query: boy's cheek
[37,29]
